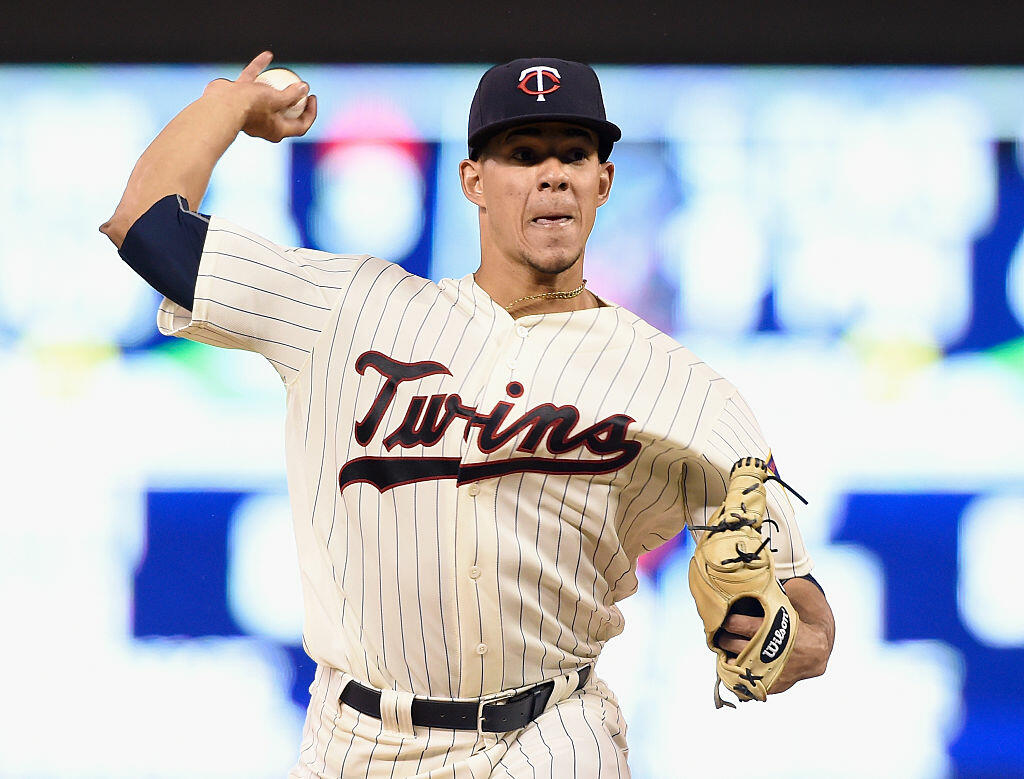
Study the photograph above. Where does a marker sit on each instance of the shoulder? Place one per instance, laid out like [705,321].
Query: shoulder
[227,238]
[679,360]
[222,233]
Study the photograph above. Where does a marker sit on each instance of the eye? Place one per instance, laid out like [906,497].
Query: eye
[523,154]
[576,155]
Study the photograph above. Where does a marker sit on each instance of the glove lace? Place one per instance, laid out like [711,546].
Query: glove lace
[740,520]
[745,557]
[727,524]
[773,477]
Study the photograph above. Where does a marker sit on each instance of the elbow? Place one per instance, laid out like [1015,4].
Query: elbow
[115,228]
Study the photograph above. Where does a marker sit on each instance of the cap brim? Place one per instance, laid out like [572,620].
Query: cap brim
[607,132]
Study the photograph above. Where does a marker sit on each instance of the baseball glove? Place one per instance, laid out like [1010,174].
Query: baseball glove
[732,571]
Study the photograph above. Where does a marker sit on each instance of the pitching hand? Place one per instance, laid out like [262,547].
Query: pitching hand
[263,105]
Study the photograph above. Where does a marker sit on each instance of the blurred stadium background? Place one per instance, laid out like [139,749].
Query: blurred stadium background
[845,244]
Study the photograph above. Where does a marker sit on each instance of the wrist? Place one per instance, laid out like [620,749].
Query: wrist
[228,103]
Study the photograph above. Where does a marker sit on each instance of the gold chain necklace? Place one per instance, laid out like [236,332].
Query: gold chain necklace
[553,295]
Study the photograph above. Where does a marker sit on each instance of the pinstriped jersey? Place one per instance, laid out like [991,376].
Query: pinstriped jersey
[470,491]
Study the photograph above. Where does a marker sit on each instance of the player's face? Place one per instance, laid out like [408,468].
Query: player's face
[538,187]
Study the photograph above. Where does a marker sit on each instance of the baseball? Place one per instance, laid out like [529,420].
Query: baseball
[282,78]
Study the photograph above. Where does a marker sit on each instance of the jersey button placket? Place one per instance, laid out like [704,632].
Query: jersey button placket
[515,348]
[477,550]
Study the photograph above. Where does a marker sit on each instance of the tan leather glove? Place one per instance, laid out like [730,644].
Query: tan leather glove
[732,570]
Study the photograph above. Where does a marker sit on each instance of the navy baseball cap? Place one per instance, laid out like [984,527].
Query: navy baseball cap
[539,89]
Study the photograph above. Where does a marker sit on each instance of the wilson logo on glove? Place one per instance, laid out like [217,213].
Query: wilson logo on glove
[777,636]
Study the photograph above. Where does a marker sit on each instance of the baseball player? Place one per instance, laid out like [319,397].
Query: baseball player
[475,465]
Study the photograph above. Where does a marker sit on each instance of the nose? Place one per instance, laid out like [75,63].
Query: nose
[552,175]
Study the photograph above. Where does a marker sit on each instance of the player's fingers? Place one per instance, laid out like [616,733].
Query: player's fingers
[741,624]
[258,63]
[300,124]
[731,642]
[308,115]
[292,95]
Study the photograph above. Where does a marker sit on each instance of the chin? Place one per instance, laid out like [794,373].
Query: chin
[554,263]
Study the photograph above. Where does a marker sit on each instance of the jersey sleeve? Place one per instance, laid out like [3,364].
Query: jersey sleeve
[735,433]
[252,294]
[164,246]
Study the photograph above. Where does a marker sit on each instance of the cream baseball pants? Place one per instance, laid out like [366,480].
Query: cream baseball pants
[580,734]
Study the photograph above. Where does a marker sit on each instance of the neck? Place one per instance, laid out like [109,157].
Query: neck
[508,284]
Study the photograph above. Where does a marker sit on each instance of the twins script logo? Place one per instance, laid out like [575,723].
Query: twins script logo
[537,74]
[428,417]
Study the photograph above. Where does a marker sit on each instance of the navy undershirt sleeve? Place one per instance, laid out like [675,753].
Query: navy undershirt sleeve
[164,246]
[809,578]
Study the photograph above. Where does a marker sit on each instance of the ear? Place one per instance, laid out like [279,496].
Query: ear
[604,184]
[472,185]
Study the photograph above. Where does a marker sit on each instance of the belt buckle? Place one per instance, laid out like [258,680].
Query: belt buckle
[498,696]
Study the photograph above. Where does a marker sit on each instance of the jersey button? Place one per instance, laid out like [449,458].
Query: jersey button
[474,572]
[481,649]
[522,332]
[473,490]
[512,364]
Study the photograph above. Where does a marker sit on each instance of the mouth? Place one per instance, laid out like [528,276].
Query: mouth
[552,220]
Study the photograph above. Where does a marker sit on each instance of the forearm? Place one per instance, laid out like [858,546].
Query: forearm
[815,636]
[809,601]
[180,159]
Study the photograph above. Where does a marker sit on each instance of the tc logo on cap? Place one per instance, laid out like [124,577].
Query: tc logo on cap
[537,73]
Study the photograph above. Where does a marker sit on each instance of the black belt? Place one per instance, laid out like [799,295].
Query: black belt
[498,713]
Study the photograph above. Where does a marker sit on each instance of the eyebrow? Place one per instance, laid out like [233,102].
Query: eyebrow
[535,132]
